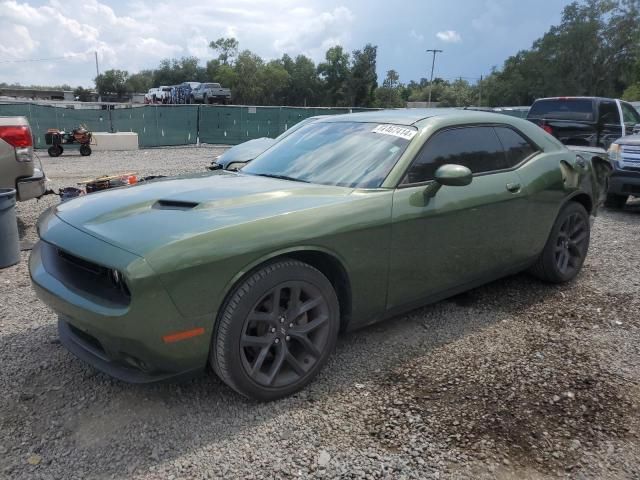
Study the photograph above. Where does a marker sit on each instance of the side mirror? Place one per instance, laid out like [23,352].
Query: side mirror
[453,175]
[450,175]
[636,129]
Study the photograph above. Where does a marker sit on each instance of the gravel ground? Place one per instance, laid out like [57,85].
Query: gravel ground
[516,379]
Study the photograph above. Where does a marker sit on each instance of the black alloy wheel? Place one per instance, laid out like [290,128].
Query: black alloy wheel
[567,245]
[285,334]
[571,244]
[276,330]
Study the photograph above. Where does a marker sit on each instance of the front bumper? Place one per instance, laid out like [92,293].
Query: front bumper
[624,182]
[121,338]
[88,349]
[31,187]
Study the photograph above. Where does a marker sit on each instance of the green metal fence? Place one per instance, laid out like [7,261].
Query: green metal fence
[163,125]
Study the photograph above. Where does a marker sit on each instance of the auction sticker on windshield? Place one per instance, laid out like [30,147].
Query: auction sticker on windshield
[396,131]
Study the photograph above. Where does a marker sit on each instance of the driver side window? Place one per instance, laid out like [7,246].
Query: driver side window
[477,148]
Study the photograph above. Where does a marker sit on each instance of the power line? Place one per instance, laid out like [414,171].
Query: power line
[47,59]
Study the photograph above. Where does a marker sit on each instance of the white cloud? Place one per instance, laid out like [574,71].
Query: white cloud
[491,15]
[416,36]
[313,33]
[449,36]
[142,32]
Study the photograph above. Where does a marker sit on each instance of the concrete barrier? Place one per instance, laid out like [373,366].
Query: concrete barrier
[114,141]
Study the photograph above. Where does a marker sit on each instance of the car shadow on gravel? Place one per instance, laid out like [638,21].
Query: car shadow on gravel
[68,409]
[65,408]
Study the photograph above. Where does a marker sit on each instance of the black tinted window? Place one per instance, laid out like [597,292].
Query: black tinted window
[609,113]
[515,145]
[563,108]
[477,148]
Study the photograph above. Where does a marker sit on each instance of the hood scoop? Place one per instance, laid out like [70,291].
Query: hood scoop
[174,205]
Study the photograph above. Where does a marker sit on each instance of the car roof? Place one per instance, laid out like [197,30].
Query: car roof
[574,98]
[401,116]
[414,116]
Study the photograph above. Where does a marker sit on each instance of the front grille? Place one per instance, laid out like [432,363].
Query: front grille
[90,280]
[630,158]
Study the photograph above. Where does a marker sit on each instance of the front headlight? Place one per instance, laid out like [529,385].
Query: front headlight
[614,153]
[235,166]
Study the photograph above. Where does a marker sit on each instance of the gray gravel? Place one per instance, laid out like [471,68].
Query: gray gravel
[516,379]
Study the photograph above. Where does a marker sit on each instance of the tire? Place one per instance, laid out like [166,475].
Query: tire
[266,353]
[54,151]
[567,246]
[85,150]
[616,202]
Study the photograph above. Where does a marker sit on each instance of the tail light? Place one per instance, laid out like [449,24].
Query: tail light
[19,137]
[547,129]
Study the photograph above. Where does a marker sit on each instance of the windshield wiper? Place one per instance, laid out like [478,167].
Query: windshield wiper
[280,177]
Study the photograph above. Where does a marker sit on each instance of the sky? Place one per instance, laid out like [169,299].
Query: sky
[475,35]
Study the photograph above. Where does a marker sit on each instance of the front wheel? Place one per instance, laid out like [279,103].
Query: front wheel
[85,150]
[276,330]
[567,246]
[54,151]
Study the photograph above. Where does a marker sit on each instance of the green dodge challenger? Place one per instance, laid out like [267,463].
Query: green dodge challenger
[349,220]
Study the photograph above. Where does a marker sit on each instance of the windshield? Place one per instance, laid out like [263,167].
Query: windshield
[563,108]
[348,154]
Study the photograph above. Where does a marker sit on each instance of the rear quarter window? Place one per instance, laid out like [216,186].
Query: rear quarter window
[516,147]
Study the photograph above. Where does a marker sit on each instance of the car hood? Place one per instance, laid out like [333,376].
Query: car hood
[143,217]
[245,152]
[629,140]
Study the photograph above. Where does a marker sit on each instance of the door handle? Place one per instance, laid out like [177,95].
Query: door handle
[513,187]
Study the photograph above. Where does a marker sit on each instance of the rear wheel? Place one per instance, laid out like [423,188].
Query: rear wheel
[615,201]
[85,150]
[567,246]
[276,331]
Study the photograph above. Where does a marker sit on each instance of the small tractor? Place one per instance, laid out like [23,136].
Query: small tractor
[78,138]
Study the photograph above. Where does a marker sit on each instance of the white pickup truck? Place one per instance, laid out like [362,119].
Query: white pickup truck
[17,169]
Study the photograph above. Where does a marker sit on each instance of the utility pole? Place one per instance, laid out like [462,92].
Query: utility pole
[433,64]
[480,88]
[97,72]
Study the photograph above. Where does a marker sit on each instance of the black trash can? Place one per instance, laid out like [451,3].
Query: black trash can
[9,239]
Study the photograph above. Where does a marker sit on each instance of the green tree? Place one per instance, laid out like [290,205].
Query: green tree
[392,80]
[334,72]
[632,93]
[172,71]
[363,79]
[112,82]
[227,49]
[390,95]
[248,88]
[274,80]
[140,82]
[304,85]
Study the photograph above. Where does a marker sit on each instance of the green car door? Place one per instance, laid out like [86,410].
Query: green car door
[460,234]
